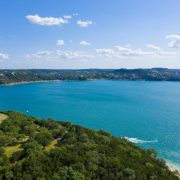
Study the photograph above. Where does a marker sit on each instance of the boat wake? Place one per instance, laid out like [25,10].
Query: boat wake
[139,141]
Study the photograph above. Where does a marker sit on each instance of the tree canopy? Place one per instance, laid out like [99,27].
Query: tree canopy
[32,148]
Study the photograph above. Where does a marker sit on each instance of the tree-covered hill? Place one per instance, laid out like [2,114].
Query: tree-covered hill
[31,148]
[154,74]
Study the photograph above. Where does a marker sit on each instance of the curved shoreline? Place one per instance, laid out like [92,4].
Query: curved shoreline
[39,81]
[173,167]
[27,82]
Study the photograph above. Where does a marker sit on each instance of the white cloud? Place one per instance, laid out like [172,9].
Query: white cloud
[4,56]
[73,55]
[106,52]
[151,46]
[174,41]
[124,51]
[39,55]
[159,52]
[46,21]
[59,55]
[81,23]
[60,42]
[85,43]
[119,51]
[67,17]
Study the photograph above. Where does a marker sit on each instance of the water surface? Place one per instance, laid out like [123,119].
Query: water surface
[146,111]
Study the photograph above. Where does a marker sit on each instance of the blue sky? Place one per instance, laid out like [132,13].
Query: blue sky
[89,34]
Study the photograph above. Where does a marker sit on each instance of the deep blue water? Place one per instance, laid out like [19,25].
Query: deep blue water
[148,111]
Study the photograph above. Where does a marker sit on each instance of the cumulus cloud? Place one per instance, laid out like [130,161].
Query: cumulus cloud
[47,21]
[60,42]
[4,56]
[119,51]
[84,43]
[73,55]
[159,52]
[81,23]
[131,52]
[151,46]
[174,41]
[59,55]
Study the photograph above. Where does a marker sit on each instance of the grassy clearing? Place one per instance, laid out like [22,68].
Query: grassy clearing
[51,145]
[3,117]
[11,149]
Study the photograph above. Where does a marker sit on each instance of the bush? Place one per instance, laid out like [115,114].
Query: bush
[43,138]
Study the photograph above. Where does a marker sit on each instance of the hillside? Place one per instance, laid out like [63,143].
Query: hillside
[155,74]
[31,148]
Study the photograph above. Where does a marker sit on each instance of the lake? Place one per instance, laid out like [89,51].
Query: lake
[146,112]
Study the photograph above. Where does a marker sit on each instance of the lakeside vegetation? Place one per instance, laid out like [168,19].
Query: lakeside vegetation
[32,148]
[154,74]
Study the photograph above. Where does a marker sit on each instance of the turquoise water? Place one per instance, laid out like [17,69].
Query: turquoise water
[147,111]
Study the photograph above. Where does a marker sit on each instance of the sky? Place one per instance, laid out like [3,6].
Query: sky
[76,34]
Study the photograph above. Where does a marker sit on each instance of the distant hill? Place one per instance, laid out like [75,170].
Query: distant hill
[154,74]
[32,149]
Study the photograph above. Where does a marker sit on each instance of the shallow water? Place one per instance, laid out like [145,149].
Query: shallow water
[146,112]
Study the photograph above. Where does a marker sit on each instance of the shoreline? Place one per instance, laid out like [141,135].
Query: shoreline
[27,82]
[56,80]
[41,81]
[173,167]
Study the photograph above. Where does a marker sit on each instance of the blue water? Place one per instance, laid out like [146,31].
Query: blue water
[148,111]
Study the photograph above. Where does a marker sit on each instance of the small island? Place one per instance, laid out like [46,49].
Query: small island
[32,148]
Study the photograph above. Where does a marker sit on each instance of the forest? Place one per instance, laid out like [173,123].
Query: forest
[154,74]
[33,148]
